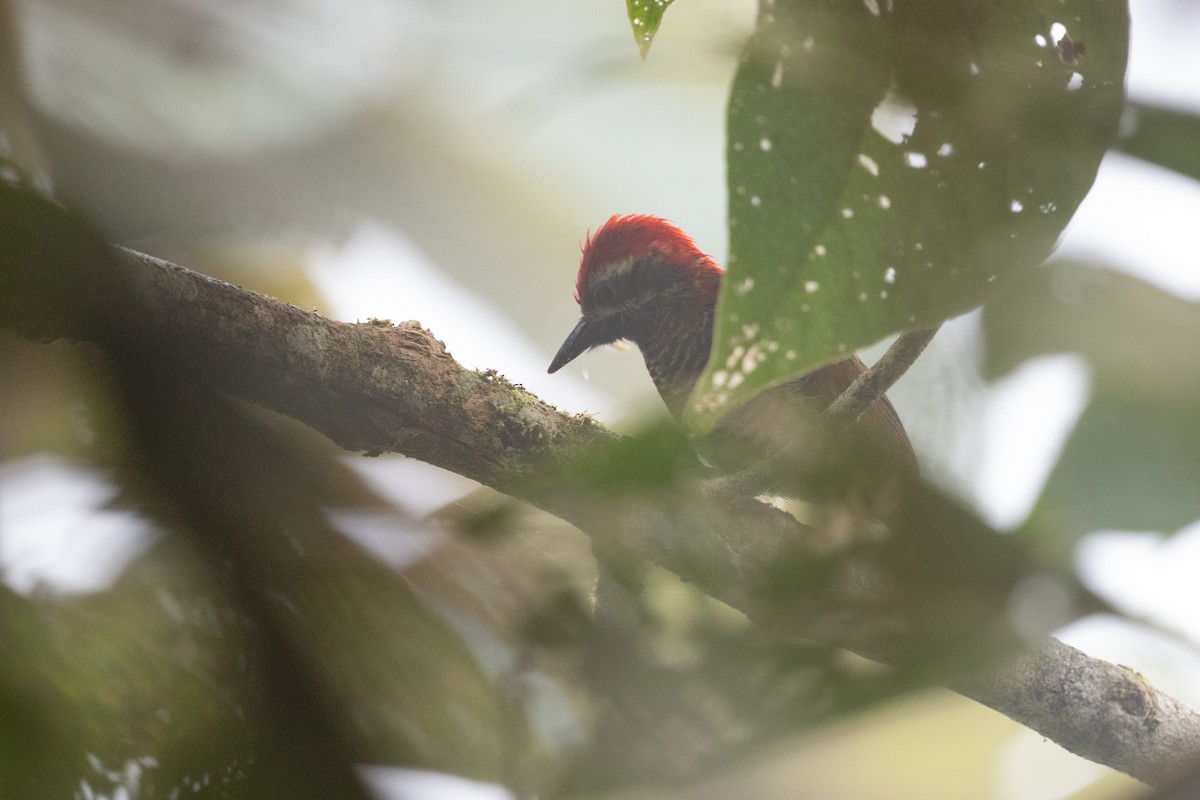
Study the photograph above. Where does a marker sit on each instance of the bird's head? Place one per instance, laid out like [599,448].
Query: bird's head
[636,272]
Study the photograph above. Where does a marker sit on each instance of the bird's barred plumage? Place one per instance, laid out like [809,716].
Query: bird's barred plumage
[644,280]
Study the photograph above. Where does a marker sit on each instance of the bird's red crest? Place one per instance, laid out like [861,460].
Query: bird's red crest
[635,235]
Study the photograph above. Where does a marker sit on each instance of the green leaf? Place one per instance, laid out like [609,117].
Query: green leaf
[1133,334]
[840,234]
[1133,460]
[1132,463]
[1163,136]
[645,16]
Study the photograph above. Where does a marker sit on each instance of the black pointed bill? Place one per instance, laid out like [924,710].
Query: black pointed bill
[578,340]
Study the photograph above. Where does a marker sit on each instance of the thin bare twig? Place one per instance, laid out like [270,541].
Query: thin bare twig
[879,377]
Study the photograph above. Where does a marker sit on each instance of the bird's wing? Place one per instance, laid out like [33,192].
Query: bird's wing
[824,385]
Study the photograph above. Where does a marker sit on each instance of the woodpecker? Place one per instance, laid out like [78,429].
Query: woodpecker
[644,280]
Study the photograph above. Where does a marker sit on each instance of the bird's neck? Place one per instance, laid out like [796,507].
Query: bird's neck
[675,342]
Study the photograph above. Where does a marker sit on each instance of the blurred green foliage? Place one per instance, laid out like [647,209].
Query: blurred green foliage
[1133,460]
[1163,136]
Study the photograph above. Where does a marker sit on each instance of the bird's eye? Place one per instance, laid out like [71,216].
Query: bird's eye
[604,295]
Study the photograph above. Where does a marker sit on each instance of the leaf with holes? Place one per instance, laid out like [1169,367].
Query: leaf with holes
[889,161]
